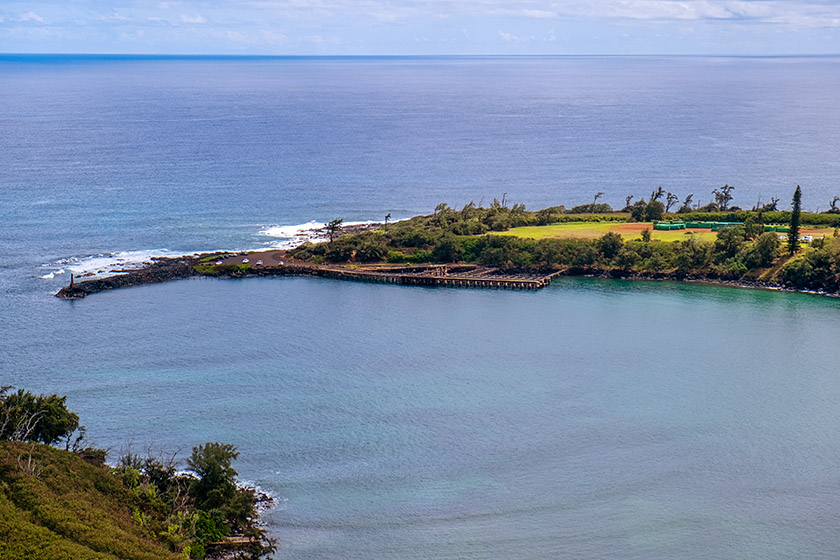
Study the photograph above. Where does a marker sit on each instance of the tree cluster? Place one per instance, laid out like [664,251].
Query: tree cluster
[193,514]
[737,250]
[36,418]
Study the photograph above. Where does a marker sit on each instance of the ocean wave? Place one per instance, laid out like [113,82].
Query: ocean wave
[283,237]
[290,237]
[53,274]
[266,499]
[113,263]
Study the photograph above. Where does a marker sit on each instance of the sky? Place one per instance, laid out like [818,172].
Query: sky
[421,27]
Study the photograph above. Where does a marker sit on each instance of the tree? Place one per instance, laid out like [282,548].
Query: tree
[468,210]
[333,228]
[654,210]
[686,205]
[729,241]
[671,199]
[610,244]
[793,234]
[27,417]
[595,199]
[387,218]
[642,211]
[692,254]
[752,228]
[215,486]
[448,249]
[637,210]
[545,216]
[763,251]
[772,206]
[723,196]
[657,194]
[833,206]
[627,200]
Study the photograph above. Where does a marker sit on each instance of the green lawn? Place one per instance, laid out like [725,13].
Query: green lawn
[593,230]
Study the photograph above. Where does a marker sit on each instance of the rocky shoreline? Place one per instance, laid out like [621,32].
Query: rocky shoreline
[618,274]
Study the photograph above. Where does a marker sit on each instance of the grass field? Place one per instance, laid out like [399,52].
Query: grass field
[594,230]
[629,231]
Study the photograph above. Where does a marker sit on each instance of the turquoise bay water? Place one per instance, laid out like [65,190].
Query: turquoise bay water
[592,419]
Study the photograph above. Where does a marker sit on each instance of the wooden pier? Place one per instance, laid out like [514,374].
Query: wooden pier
[457,276]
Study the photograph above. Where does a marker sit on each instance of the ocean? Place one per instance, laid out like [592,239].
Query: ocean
[592,419]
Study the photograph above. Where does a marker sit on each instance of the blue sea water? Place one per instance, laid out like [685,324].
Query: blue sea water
[592,419]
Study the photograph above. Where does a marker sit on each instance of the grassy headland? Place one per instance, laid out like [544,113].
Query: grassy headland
[609,243]
[467,247]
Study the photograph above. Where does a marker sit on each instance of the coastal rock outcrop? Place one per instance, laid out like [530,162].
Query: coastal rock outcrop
[161,270]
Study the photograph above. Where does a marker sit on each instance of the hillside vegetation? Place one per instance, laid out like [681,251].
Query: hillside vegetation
[67,503]
[55,505]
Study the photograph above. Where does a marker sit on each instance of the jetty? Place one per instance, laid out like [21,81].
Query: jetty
[438,275]
[276,263]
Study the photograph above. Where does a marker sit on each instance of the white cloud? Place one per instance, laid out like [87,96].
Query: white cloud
[31,16]
[511,38]
[197,18]
[797,12]
[273,37]
[138,35]
[114,17]
[390,25]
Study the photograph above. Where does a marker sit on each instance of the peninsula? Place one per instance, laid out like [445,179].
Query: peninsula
[509,247]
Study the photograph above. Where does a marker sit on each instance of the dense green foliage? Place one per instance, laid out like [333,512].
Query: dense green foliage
[643,211]
[192,514]
[816,269]
[741,252]
[28,417]
[69,504]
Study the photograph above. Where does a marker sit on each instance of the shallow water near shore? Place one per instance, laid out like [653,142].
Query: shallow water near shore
[591,419]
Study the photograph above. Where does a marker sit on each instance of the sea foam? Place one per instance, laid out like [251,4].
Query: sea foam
[114,263]
[120,262]
[290,237]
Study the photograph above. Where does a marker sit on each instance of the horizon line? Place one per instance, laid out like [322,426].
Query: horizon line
[485,55]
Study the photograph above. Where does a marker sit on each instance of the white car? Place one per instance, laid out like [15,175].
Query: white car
[258,262]
[246,260]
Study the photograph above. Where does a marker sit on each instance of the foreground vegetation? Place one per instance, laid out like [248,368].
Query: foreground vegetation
[67,503]
[492,237]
